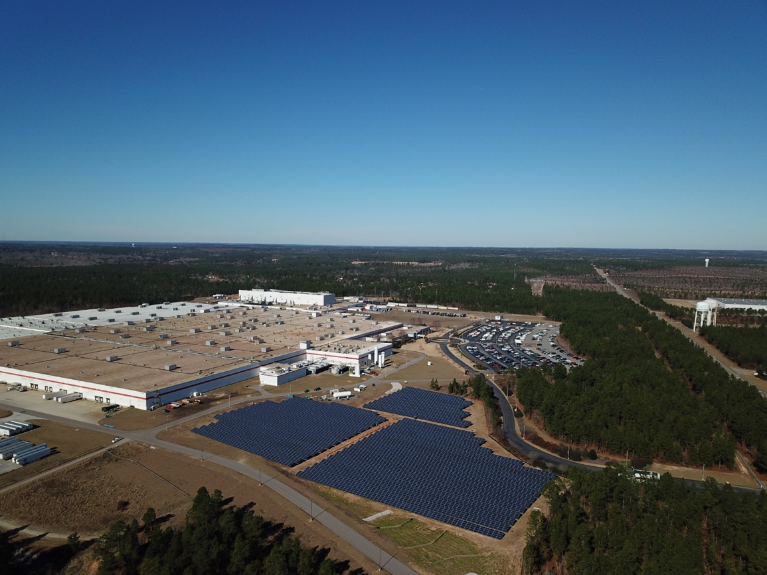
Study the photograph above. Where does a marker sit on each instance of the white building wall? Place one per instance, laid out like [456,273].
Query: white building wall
[127,397]
[270,378]
[288,297]
[89,390]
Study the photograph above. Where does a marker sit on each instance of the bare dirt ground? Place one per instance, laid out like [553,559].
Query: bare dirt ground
[738,476]
[5,413]
[66,443]
[121,484]
[441,369]
[681,302]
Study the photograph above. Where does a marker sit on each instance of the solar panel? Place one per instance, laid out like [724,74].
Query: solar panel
[437,472]
[424,404]
[290,431]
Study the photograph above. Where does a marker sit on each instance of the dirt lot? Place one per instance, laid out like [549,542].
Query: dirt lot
[681,302]
[738,476]
[5,413]
[441,369]
[133,419]
[432,321]
[66,444]
[122,483]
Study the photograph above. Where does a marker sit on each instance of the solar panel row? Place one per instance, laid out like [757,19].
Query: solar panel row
[290,431]
[424,404]
[437,472]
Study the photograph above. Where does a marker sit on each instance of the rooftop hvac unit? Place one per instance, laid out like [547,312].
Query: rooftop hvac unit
[111,358]
[92,318]
[170,367]
[60,350]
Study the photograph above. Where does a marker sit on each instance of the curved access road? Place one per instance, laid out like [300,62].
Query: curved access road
[315,511]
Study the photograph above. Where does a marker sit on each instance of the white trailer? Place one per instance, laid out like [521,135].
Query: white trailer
[11,451]
[342,395]
[69,397]
[54,394]
[7,430]
[32,455]
[8,442]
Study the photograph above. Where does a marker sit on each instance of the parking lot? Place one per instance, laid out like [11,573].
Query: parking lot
[502,345]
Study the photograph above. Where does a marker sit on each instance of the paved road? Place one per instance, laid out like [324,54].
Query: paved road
[313,510]
[614,285]
[449,353]
[689,334]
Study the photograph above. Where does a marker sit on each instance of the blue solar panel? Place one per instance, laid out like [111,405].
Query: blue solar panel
[437,472]
[423,404]
[290,431]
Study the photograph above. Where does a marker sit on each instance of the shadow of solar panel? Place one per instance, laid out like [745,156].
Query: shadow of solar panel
[290,431]
[436,472]
[424,404]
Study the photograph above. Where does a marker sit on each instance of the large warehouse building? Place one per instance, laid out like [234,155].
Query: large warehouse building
[151,355]
[291,298]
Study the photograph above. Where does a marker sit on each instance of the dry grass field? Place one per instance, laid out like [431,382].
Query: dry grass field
[697,282]
[66,444]
[441,369]
[123,482]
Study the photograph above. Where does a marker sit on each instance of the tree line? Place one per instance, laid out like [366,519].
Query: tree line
[746,346]
[676,312]
[645,388]
[214,540]
[607,522]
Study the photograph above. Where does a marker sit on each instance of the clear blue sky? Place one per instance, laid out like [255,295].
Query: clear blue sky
[530,124]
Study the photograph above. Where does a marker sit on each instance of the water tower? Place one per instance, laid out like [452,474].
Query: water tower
[706,311]
[706,262]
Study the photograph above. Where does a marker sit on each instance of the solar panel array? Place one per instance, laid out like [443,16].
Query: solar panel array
[437,472]
[290,431]
[424,404]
